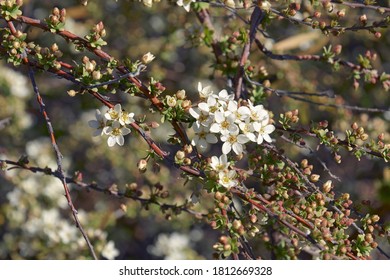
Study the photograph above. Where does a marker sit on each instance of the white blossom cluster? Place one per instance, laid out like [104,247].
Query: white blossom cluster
[186,4]
[226,175]
[112,123]
[219,116]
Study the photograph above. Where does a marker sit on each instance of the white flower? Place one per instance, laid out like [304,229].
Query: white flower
[171,247]
[116,132]
[114,114]
[185,4]
[219,164]
[204,92]
[210,107]
[242,113]
[227,179]
[148,57]
[109,251]
[233,141]
[224,97]
[264,130]
[247,129]
[99,124]
[202,117]
[258,113]
[203,137]
[224,123]
[126,118]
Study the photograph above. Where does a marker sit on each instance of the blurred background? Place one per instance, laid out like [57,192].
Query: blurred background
[35,222]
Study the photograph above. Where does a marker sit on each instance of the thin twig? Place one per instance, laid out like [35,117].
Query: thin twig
[56,149]
[327,93]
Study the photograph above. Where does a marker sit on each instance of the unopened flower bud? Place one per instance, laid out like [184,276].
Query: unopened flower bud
[236,224]
[96,75]
[188,149]
[364,136]
[314,178]
[186,104]
[317,14]
[363,19]
[56,11]
[181,94]
[147,58]
[180,155]
[72,93]
[142,164]
[327,186]
[341,13]
[230,3]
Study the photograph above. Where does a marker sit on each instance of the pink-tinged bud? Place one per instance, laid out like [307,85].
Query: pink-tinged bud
[378,35]
[341,13]
[337,49]
[317,14]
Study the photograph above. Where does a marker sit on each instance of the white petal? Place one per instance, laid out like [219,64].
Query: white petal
[215,128]
[260,139]
[267,138]
[219,116]
[97,133]
[202,144]
[204,107]
[118,108]
[93,124]
[226,148]
[237,148]
[211,138]
[111,141]
[120,140]
[232,106]
[269,129]
[242,139]
[125,130]
[194,113]
[256,126]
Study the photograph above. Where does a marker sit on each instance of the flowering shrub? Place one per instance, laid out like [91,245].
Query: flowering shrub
[267,172]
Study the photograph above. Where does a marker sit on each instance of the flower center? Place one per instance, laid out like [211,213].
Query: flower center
[116,131]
